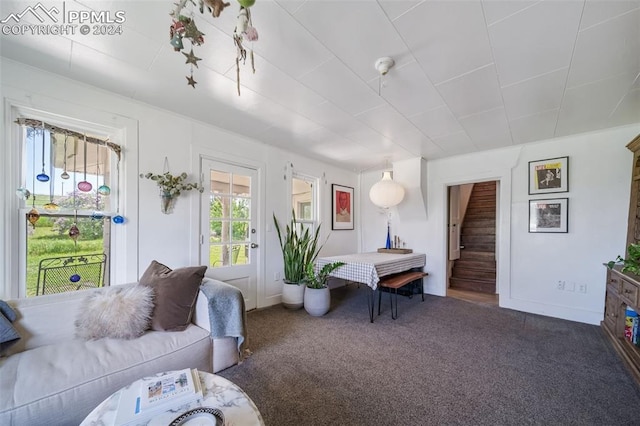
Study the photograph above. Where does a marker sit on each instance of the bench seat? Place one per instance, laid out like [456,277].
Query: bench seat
[397,281]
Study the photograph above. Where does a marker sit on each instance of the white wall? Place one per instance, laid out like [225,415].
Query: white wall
[530,265]
[171,238]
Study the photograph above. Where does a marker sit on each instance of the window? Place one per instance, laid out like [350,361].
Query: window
[68,191]
[304,200]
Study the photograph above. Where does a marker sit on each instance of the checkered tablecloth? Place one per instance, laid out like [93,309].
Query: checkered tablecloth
[367,268]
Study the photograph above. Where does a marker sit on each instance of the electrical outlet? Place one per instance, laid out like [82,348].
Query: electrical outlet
[276,276]
[582,288]
[570,286]
[560,285]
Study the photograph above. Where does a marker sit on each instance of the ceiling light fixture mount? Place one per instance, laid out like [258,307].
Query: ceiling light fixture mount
[383,65]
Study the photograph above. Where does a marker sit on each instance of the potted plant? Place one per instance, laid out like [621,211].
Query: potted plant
[170,188]
[299,248]
[632,263]
[317,298]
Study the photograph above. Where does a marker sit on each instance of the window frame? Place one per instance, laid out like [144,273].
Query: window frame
[313,223]
[124,242]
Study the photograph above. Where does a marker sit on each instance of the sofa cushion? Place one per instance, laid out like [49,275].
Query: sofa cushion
[62,383]
[118,312]
[175,294]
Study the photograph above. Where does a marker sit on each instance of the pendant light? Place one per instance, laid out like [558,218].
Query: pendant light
[386,192]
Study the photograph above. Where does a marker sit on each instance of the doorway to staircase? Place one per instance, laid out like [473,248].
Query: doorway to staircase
[472,242]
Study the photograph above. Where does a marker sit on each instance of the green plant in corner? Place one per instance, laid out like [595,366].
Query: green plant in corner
[319,280]
[299,248]
[631,263]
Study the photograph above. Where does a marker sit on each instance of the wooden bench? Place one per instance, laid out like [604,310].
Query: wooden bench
[397,281]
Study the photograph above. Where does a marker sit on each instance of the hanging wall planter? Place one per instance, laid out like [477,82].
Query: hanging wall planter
[167,202]
[170,187]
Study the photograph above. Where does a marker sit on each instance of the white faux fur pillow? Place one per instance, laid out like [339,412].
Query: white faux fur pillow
[120,313]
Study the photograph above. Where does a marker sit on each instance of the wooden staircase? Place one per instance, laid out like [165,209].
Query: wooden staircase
[476,268]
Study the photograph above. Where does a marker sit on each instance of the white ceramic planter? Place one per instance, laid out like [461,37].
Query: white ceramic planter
[293,295]
[317,301]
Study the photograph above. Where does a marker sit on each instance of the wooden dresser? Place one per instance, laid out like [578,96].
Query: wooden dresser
[624,289]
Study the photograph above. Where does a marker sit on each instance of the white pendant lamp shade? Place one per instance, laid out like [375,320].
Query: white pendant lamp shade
[386,193]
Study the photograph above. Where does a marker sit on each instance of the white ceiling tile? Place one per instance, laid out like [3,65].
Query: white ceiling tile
[275,84]
[535,95]
[537,40]
[447,38]
[149,21]
[395,8]
[326,114]
[431,151]
[340,86]
[412,140]
[628,111]
[52,53]
[98,68]
[291,5]
[370,33]
[408,89]
[386,120]
[488,129]
[579,112]
[496,10]
[455,143]
[437,122]
[607,49]
[472,93]
[283,40]
[535,127]
[596,11]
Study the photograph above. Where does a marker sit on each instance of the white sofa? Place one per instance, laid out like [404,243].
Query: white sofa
[52,378]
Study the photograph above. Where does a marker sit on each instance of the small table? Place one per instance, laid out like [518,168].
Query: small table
[368,268]
[219,393]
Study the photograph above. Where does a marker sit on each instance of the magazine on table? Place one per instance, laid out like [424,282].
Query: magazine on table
[155,395]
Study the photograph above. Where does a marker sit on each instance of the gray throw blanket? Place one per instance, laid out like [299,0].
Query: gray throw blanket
[8,334]
[227,313]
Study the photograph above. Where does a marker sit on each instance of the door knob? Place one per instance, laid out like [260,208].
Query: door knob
[254,245]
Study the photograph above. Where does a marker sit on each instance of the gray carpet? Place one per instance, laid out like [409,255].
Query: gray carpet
[442,362]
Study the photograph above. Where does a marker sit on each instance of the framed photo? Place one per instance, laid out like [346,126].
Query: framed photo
[548,176]
[341,207]
[550,215]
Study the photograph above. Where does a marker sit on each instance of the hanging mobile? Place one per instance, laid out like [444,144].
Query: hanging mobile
[102,189]
[74,232]
[33,214]
[23,193]
[117,219]
[64,174]
[51,206]
[97,213]
[84,185]
[43,177]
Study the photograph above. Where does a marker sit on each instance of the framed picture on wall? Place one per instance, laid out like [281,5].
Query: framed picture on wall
[549,176]
[550,215]
[341,207]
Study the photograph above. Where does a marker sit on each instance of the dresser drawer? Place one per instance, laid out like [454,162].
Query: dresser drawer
[614,281]
[611,312]
[629,293]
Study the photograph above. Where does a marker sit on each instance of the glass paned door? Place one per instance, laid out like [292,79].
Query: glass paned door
[229,226]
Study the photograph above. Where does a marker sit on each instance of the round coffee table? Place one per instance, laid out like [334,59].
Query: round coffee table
[219,393]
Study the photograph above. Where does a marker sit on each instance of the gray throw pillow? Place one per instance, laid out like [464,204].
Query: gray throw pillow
[8,334]
[176,292]
[121,313]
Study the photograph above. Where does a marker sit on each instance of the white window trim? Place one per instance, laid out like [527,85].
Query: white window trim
[315,195]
